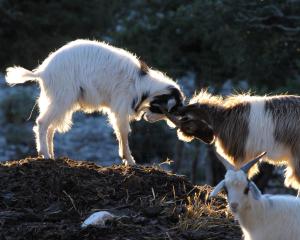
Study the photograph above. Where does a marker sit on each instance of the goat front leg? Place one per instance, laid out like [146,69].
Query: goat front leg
[122,130]
[292,172]
[50,135]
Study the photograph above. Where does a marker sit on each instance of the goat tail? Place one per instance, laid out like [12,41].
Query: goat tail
[18,75]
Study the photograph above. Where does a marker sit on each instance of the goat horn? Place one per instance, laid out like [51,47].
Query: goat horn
[217,189]
[225,162]
[248,165]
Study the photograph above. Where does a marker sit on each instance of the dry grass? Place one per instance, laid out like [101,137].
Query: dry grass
[49,199]
[204,213]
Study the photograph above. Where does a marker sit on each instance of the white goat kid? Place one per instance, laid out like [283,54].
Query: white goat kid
[261,217]
[94,76]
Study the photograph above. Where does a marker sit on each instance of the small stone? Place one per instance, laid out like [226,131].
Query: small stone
[98,219]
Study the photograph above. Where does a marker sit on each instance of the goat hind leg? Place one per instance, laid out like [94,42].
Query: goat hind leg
[41,130]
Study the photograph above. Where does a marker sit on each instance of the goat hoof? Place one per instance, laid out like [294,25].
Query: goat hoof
[43,156]
[128,162]
[40,156]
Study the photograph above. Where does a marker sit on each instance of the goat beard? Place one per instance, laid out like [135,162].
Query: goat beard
[183,137]
[154,117]
[188,138]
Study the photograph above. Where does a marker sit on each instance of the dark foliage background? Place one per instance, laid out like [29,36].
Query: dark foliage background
[251,42]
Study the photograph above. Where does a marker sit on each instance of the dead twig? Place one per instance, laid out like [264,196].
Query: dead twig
[72,201]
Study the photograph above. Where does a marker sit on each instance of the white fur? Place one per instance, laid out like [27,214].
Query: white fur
[266,217]
[261,133]
[89,76]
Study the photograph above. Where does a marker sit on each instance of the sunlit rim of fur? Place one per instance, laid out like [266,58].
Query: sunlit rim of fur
[204,97]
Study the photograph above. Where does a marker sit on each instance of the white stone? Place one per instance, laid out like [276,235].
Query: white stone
[98,218]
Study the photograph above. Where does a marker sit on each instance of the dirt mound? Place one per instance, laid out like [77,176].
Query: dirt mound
[46,199]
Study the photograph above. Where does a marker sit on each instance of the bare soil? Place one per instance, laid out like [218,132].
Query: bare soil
[49,199]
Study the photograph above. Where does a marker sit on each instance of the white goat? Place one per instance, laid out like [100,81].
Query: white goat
[242,126]
[261,217]
[93,76]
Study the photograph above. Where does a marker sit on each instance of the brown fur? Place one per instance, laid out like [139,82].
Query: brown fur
[144,69]
[228,118]
[233,131]
[287,131]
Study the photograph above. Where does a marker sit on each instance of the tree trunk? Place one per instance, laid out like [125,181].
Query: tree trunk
[195,162]
[217,170]
[178,155]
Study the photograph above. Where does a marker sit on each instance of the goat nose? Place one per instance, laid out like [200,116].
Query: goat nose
[234,206]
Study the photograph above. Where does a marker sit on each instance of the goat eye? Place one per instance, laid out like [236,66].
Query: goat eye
[184,119]
[246,191]
[189,128]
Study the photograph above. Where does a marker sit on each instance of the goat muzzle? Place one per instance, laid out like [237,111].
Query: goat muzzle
[174,119]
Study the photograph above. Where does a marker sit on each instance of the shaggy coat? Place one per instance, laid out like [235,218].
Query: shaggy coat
[93,76]
[243,126]
[260,216]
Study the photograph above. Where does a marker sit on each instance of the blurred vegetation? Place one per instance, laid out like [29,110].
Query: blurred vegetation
[252,41]
[31,29]
[17,107]
[257,41]
[152,142]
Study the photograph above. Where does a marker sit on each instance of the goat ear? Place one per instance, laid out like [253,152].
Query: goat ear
[217,189]
[171,103]
[254,190]
[248,165]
